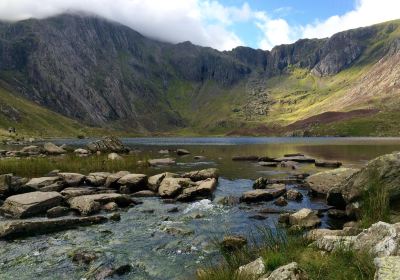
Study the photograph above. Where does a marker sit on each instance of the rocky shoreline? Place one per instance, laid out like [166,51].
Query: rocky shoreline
[60,201]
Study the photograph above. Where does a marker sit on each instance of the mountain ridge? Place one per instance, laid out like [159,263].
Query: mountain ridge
[105,74]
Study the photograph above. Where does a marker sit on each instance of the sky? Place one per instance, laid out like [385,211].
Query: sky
[220,24]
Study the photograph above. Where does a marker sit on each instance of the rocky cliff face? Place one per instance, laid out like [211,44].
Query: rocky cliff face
[103,73]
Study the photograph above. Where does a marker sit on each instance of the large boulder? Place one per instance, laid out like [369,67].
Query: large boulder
[154,181]
[199,175]
[304,218]
[114,156]
[322,182]
[32,150]
[107,144]
[52,149]
[203,189]
[291,271]
[383,171]
[5,184]
[133,182]
[171,187]
[72,179]
[387,268]
[90,204]
[31,204]
[21,228]
[97,178]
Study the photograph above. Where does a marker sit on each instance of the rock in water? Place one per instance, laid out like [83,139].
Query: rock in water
[304,218]
[45,182]
[31,204]
[90,204]
[204,189]
[97,178]
[133,182]
[161,161]
[72,179]
[329,164]
[202,174]
[294,195]
[233,242]
[322,182]
[291,271]
[112,180]
[273,191]
[171,187]
[58,211]
[182,152]
[107,144]
[53,149]
[20,228]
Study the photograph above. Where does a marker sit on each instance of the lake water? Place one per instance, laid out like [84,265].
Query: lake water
[140,238]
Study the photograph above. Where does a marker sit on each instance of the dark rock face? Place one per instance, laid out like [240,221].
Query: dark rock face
[103,73]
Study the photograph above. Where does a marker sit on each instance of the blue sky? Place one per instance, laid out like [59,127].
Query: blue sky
[220,24]
[295,12]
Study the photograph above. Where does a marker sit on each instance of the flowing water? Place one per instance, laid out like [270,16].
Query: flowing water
[160,244]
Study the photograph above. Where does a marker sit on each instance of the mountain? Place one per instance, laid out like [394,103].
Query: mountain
[101,73]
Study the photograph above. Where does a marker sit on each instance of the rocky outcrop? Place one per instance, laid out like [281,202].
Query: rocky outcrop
[107,144]
[322,182]
[273,191]
[171,187]
[383,171]
[30,204]
[21,228]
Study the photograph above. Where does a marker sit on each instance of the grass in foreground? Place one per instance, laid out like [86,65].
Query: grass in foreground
[279,248]
[34,167]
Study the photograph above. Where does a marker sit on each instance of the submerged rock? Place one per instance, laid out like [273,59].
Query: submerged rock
[20,228]
[294,195]
[300,159]
[233,242]
[329,164]
[245,158]
[30,204]
[199,175]
[83,257]
[161,161]
[281,201]
[268,163]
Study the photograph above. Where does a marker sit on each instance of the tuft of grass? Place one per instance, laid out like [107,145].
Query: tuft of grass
[33,167]
[278,247]
[375,202]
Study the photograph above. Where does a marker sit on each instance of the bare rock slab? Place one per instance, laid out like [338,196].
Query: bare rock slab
[20,228]
[90,204]
[31,204]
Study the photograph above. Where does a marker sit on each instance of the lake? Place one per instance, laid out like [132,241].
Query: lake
[160,244]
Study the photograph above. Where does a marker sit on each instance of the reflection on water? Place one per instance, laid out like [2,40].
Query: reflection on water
[140,238]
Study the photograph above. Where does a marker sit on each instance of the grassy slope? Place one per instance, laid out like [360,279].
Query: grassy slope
[34,120]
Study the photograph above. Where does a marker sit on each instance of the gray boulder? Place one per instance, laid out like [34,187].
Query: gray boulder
[52,149]
[154,181]
[97,178]
[291,271]
[387,268]
[253,269]
[114,156]
[90,204]
[161,161]
[304,218]
[58,211]
[133,182]
[112,180]
[171,187]
[53,183]
[202,189]
[271,192]
[73,192]
[322,182]
[31,204]
[72,179]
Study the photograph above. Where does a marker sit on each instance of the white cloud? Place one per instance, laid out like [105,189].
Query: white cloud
[203,22]
[366,12]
